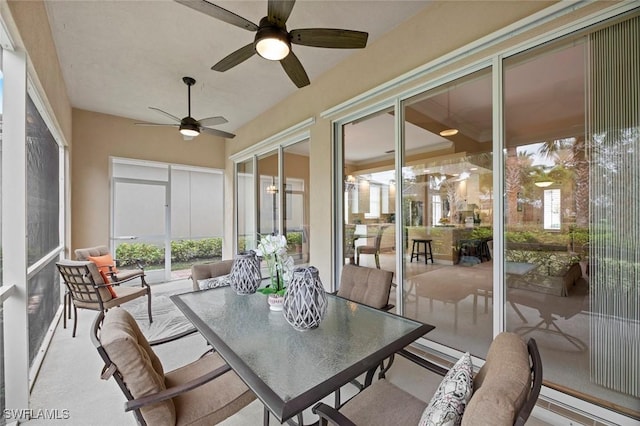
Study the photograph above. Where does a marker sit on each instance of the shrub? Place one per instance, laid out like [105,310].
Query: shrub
[294,239]
[181,251]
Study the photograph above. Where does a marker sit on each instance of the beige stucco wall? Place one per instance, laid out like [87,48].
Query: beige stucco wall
[97,137]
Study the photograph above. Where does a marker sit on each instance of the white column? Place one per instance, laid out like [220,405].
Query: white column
[14,209]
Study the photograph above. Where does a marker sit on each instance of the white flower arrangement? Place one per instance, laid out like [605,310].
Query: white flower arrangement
[273,250]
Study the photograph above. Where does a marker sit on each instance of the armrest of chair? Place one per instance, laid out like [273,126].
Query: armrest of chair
[172,338]
[329,414]
[169,393]
[422,362]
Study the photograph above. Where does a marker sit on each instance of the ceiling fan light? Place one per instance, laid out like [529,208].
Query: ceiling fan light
[272,42]
[272,48]
[190,130]
[449,132]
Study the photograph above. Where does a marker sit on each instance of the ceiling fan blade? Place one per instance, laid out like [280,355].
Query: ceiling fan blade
[157,124]
[171,116]
[235,58]
[278,11]
[328,37]
[212,121]
[217,132]
[295,70]
[219,13]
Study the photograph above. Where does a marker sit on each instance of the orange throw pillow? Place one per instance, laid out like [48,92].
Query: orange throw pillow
[104,262]
[105,278]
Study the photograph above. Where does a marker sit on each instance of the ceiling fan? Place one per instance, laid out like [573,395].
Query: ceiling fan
[273,41]
[189,126]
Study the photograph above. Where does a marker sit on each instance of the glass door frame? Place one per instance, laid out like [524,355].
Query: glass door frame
[274,144]
[152,276]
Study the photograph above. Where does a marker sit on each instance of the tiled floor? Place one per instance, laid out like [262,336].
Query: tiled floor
[70,380]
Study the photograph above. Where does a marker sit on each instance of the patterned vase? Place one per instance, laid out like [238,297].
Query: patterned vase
[305,301]
[245,274]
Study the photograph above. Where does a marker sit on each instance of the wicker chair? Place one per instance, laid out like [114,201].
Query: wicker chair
[203,392]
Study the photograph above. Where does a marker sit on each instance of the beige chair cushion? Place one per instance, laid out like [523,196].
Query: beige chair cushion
[502,384]
[140,367]
[202,271]
[365,285]
[124,294]
[84,253]
[383,404]
[213,402]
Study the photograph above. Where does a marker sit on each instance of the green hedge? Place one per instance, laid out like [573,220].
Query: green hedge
[181,251]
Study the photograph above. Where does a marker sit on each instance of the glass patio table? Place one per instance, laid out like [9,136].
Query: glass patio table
[287,369]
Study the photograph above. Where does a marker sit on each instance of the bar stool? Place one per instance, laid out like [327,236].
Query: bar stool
[426,250]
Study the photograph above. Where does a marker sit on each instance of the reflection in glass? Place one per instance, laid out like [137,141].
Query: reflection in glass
[369,191]
[268,195]
[296,200]
[447,200]
[571,166]
[245,206]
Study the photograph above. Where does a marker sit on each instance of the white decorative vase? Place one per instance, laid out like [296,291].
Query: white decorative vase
[275,302]
[245,273]
[305,302]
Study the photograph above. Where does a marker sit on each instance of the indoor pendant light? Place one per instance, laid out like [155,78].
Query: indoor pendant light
[452,131]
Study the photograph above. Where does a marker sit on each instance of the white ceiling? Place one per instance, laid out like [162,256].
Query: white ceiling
[121,57]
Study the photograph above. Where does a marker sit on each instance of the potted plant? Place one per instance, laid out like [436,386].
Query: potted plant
[273,250]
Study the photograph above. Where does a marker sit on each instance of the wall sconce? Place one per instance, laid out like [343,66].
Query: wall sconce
[543,183]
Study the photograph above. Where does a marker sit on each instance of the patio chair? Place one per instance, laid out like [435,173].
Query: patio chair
[370,287]
[101,256]
[87,288]
[372,249]
[205,271]
[203,392]
[503,392]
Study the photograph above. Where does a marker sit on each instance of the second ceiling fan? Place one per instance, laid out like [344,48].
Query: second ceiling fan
[273,41]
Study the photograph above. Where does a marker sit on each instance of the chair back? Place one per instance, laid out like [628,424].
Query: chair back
[134,365]
[378,240]
[84,253]
[507,386]
[82,279]
[364,285]
[349,240]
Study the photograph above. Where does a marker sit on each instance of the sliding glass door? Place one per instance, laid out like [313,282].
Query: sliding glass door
[447,198]
[565,160]
[296,200]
